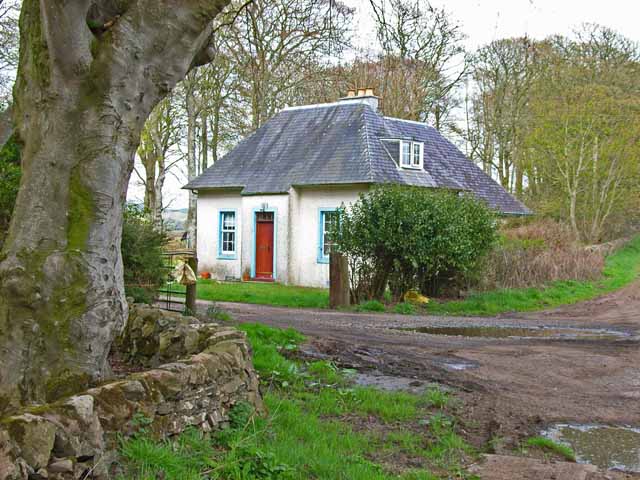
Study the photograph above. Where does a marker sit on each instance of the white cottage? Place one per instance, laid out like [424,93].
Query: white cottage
[265,207]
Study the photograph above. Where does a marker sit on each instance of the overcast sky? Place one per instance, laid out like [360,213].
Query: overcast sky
[487,20]
[484,21]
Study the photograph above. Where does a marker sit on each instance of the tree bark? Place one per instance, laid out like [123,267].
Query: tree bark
[81,99]
[148,160]
[215,134]
[159,186]
[204,142]
[192,163]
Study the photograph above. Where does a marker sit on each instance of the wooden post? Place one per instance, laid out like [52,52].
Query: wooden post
[338,281]
[190,301]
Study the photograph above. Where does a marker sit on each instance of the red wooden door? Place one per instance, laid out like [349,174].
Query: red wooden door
[264,247]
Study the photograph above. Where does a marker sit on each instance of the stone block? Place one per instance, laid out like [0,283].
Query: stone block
[34,436]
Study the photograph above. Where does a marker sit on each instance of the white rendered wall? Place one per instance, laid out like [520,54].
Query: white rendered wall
[209,206]
[306,204]
[296,230]
[280,230]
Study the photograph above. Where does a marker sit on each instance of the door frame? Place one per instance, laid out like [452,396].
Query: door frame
[254,232]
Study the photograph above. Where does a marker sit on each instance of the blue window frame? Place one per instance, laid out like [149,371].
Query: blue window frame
[227,235]
[326,221]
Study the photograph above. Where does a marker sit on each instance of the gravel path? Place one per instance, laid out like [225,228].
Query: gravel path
[510,387]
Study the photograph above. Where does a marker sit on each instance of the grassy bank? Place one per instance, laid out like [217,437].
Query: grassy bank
[319,426]
[621,268]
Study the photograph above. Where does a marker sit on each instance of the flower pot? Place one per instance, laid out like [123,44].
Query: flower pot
[205,275]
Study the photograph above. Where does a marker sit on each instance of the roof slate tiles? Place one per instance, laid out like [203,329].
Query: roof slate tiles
[343,143]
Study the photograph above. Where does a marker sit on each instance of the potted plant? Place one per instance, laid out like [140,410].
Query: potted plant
[246,275]
[205,275]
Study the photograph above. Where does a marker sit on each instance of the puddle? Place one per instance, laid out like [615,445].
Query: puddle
[604,446]
[391,383]
[520,332]
[459,366]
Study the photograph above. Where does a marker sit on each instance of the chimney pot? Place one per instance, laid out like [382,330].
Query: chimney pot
[362,95]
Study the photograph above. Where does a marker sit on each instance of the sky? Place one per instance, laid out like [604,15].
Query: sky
[483,21]
[487,20]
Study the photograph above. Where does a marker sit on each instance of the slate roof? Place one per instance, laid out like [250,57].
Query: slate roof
[346,143]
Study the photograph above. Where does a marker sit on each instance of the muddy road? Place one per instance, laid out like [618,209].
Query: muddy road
[576,364]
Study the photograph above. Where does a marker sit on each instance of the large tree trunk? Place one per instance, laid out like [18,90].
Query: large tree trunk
[81,100]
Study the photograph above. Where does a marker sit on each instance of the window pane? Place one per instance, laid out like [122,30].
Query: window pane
[417,150]
[329,220]
[228,232]
[229,221]
[228,242]
[405,153]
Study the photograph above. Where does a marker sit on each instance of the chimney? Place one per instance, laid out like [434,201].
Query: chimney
[362,95]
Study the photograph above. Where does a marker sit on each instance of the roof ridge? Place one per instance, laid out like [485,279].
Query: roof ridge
[311,106]
[366,139]
[423,124]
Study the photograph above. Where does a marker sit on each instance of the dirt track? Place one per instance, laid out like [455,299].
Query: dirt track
[516,385]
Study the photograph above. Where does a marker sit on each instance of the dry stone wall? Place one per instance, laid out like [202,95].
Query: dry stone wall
[198,372]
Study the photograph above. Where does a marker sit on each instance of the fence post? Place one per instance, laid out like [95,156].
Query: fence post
[338,281]
[190,301]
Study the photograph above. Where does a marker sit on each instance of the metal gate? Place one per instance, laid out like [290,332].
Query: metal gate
[174,296]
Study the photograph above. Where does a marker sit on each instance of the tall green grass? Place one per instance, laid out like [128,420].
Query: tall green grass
[306,434]
[544,443]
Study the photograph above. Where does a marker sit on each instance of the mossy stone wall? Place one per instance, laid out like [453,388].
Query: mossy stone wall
[201,371]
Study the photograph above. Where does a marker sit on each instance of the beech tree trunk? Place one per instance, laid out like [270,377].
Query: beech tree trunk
[81,99]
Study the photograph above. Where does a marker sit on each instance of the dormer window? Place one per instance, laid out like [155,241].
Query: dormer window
[411,154]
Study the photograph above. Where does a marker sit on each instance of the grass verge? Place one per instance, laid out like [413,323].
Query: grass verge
[320,426]
[621,268]
[274,294]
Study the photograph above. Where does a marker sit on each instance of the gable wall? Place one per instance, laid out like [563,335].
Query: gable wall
[306,203]
[210,203]
[297,241]
[209,206]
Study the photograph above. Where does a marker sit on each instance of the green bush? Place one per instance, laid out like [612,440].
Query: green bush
[413,238]
[9,183]
[142,244]
[370,306]
[405,308]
